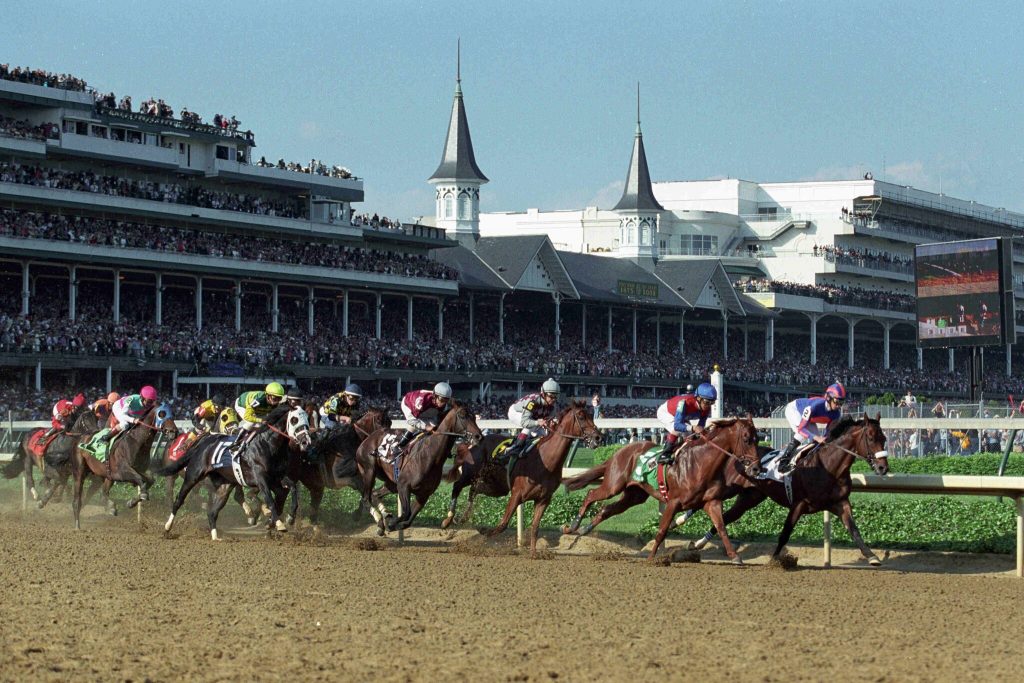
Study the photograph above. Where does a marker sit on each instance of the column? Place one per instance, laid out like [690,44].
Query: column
[682,341]
[344,313]
[25,291]
[951,361]
[814,337]
[174,384]
[310,304]
[158,313]
[275,309]
[471,307]
[380,305]
[885,344]
[849,342]
[657,332]
[584,326]
[117,296]
[725,334]
[1009,362]
[110,379]
[238,305]
[39,376]
[558,321]
[199,302]
[634,329]
[746,335]
[609,329]
[72,292]
[501,319]
[440,318]
[408,317]
[769,340]
[398,389]
[920,358]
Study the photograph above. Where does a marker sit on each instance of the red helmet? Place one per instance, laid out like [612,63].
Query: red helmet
[64,406]
[148,393]
[78,401]
[836,390]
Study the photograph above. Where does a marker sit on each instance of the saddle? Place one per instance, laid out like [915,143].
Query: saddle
[37,446]
[100,449]
[649,471]
[498,453]
[386,449]
[179,447]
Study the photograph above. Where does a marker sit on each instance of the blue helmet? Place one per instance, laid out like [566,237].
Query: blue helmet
[707,392]
[354,390]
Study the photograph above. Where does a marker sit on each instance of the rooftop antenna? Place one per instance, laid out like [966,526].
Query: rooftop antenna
[638,107]
[458,60]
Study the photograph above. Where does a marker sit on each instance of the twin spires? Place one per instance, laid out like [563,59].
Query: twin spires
[638,195]
[457,161]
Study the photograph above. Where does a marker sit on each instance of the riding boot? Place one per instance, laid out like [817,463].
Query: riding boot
[399,448]
[49,432]
[515,450]
[786,464]
[108,436]
[666,457]
[240,442]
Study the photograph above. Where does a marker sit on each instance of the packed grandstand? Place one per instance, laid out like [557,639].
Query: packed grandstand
[149,247]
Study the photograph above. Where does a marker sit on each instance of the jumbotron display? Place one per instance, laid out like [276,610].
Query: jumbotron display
[962,293]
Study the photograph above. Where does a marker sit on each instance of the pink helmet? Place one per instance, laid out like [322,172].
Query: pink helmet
[148,393]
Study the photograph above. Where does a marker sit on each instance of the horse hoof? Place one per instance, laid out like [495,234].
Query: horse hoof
[289,520]
[381,532]
[112,512]
[132,503]
[446,522]
[251,521]
[568,530]
[737,561]
[144,496]
[280,526]
[40,505]
[35,496]
[874,561]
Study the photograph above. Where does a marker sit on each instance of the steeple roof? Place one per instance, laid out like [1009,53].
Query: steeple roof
[457,161]
[638,194]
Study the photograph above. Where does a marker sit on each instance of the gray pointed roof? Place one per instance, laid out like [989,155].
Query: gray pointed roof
[638,194]
[457,161]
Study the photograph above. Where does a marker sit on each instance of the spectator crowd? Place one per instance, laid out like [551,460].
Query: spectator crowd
[840,295]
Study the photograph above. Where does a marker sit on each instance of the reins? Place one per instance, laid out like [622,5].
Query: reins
[719,448]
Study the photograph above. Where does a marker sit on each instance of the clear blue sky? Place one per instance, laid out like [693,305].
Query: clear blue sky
[765,91]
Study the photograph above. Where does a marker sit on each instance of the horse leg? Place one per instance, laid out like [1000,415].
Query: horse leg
[748,499]
[377,510]
[514,500]
[456,491]
[845,513]
[468,512]
[666,520]
[714,510]
[632,496]
[252,511]
[218,499]
[316,495]
[293,512]
[404,503]
[269,500]
[795,513]
[192,477]
[28,476]
[538,511]
[170,487]
[80,468]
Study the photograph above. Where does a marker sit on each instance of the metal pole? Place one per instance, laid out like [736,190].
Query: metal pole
[1020,536]
[159,312]
[519,526]
[827,528]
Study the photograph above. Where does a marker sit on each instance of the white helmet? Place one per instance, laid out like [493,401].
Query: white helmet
[443,389]
[550,386]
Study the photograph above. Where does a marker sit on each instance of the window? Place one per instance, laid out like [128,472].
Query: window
[630,234]
[222,152]
[449,207]
[645,234]
[119,134]
[465,208]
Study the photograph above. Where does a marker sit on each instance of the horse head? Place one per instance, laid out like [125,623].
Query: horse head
[297,428]
[740,441]
[163,419]
[873,440]
[373,419]
[579,423]
[461,421]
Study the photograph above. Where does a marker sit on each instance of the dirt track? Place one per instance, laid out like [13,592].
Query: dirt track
[114,602]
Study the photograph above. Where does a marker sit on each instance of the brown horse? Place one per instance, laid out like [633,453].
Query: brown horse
[420,469]
[123,458]
[695,479]
[821,481]
[536,476]
[333,461]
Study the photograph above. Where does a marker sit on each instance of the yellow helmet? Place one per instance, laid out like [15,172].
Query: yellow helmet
[275,389]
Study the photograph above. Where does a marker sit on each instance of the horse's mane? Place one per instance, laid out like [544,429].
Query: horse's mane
[278,414]
[843,425]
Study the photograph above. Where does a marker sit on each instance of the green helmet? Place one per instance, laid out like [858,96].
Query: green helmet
[275,389]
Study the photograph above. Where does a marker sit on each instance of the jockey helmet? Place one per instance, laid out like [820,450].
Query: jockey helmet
[148,393]
[101,407]
[354,390]
[707,392]
[836,391]
[113,396]
[218,399]
[78,401]
[275,389]
[443,389]
[294,393]
[550,386]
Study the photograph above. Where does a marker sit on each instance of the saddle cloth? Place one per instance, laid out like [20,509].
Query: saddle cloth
[223,458]
[770,463]
[178,447]
[646,470]
[37,446]
[385,450]
[498,453]
[99,449]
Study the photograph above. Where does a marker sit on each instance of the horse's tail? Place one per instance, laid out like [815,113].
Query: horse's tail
[591,476]
[16,466]
[463,457]
[177,465]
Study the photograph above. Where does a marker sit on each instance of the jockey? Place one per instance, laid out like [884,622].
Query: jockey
[60,417]
[804,413]
[204,418]
[128,410]
[253,407]
[677,412]
[293,396]
[423,409]
[533,414]
[339,409]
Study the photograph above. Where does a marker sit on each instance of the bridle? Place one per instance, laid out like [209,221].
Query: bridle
[871,458]
[743,461]
[460,423]
[592,439]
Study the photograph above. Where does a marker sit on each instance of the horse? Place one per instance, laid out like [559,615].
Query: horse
[421,467]
[536,475]
[695,479]
[54,475]
[264,469]
[123,457]
[820,481]
[333,464]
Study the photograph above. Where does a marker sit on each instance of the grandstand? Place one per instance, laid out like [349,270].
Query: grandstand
[144,246]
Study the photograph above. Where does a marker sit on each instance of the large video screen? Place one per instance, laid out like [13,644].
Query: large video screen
[959,293]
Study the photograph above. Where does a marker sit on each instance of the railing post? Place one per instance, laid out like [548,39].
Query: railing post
[827,533]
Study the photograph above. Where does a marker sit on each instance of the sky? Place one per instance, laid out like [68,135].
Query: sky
[927,94]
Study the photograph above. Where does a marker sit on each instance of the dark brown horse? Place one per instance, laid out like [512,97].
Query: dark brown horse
[536,476]
[695,479]
[125,457]
[56,473]
[333,461]
[821,481]
[420,469]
